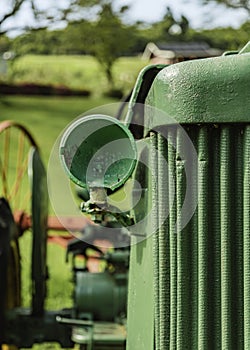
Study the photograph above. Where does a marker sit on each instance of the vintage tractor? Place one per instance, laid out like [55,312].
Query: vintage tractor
[188,127]
[185,143]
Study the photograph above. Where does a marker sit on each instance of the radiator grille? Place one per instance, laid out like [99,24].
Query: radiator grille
[202,274]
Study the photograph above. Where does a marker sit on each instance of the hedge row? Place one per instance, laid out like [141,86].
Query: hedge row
[34,89]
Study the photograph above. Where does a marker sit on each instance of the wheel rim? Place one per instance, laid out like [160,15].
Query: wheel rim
[16,144]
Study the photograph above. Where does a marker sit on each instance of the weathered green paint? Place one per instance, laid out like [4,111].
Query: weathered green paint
[201,91]
[98,151]
[246,238]
[189,287]
[162,246]
[198,278]
[140,322]
[142,85]
[202,297]
[203,236]
[39,203]
[140,319]
[102,295]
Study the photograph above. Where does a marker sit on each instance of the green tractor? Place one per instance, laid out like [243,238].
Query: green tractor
[184,143]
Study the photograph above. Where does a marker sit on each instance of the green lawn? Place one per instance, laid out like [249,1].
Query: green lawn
[80,72]
[60,282]
[46,117]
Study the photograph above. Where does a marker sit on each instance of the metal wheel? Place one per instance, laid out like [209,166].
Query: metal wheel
[15,145]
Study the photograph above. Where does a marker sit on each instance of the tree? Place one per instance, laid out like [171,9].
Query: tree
[40,16]
[226,39]
[5,44]
[12,8]
[237,4]
[107,38]
[41,42]
[168,28]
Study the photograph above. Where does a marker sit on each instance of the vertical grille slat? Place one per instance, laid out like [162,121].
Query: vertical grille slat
[193,248]
[215,243]
[246,237]
[155,203]
[164,280]
[203,299]
[172,237]
[183,336]
[203,237]
[237,245]
[226,231]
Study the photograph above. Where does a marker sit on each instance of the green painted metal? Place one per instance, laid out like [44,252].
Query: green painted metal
[98,151]
[172,242]
[246,238]
[201,300]
[141,88]
[140,321]
[226,229]
[246,48]
[39,273]
[102,295]
[141,292]
[161,247]
[202,244]
[198,277]
[201,91]
[155,239]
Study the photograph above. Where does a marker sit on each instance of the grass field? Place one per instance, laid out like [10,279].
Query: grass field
[46,117]
[79,72]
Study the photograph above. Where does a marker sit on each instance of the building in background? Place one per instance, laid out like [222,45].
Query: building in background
[172,52]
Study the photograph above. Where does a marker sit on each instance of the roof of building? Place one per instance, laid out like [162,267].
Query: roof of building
[180,49]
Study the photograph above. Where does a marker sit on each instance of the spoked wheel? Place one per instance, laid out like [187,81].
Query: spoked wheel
[23,186]
[15,145]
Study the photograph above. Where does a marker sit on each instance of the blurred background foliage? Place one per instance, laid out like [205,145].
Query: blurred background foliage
[100,30]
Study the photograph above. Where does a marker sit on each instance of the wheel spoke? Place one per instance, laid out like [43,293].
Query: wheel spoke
[15,142]
[4,180]
[6,150]
[19,167]
[17,186]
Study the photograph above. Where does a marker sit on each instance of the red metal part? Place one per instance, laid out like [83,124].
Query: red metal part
[72,224]
[60,240]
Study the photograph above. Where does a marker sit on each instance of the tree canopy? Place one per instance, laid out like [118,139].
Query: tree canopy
[108,38]
[236,4]
[98,28]
[41,16]
[105,37]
